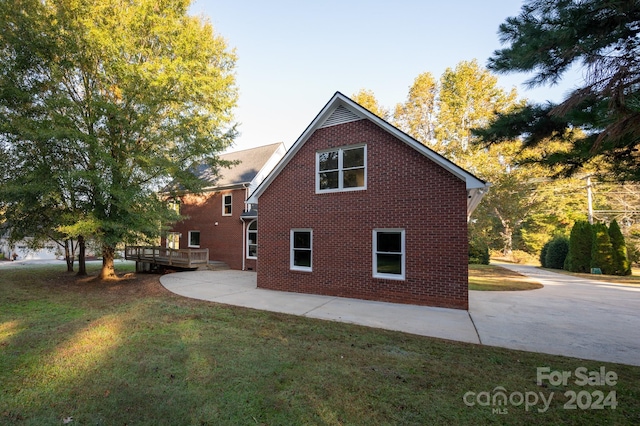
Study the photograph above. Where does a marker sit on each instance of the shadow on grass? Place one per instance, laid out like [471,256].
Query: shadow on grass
[132,353]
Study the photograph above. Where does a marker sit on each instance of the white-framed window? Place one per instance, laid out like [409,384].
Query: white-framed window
[173,240]
[194,239]
[226,204]
[252,239]
[389,253]
[341,169]
[301,249]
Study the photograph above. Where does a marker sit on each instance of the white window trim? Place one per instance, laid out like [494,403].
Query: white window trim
[189,241]
[224,196]
[340,170]
[403,253]
[248,240]
[291,256]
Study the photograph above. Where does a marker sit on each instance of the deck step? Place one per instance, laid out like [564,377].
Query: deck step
[215,265]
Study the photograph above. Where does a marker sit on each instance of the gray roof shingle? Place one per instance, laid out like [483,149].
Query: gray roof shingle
[250,162]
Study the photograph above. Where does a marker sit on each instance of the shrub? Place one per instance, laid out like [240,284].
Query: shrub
[602,250]
[478,252]
[580,245]
[543,254]
[556,252]
[621,264]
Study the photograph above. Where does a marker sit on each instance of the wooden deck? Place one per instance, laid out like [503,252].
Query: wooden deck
[152,255]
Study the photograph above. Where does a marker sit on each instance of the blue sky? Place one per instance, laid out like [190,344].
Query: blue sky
[294,55]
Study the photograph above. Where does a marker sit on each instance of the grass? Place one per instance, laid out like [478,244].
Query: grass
[495,278]
[130,352]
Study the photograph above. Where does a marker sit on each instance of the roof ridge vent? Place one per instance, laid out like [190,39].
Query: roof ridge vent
[340,115]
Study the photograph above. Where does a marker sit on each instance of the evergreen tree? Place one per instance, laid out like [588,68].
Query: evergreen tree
[548,37]
[602,250]
[621,264]
[580,245]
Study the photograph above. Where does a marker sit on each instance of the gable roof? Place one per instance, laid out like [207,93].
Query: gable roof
[341,109]
[250,164]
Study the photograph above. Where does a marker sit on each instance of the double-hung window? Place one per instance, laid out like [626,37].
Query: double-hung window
[341,169]
[252,240]
[226,205]
[301,249]
[389,253]
[194,239]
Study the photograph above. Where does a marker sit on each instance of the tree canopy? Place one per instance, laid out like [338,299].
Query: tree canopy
[102,103]
[602,37]
[367,99]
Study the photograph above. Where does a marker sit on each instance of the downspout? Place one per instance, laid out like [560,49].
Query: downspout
[244,242]
[244,227]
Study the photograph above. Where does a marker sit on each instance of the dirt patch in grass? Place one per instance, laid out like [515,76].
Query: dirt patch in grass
[496,278]
[128,285]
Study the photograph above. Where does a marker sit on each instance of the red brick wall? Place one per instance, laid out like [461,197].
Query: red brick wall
[404,190]
[224,240]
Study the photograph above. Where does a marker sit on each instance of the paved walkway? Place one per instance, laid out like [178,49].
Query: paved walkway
[569,316]
[239,288]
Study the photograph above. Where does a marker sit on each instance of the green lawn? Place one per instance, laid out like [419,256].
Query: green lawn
[129,352]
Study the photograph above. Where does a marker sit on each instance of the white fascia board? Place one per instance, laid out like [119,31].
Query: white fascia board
[267,168]
[471,181]
[324,113]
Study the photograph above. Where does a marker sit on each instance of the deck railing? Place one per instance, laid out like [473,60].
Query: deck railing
[186,258]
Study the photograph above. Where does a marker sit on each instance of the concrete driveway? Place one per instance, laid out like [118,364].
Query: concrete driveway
[569,316]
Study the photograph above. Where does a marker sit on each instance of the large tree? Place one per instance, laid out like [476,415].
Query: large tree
[600,37]
[417,116]
[367,99]
[469,98]
[103,102]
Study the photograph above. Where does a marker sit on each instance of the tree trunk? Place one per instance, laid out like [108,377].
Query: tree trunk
[69,254]
[506,234]
[82,265]
[107,271]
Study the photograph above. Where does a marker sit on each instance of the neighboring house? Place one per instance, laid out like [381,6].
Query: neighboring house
[25,249]
[357,208]
[219,219]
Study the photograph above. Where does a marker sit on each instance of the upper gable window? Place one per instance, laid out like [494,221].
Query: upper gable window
[341,169]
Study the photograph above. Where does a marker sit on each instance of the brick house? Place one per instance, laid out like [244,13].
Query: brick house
[357,208]
[218,219]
